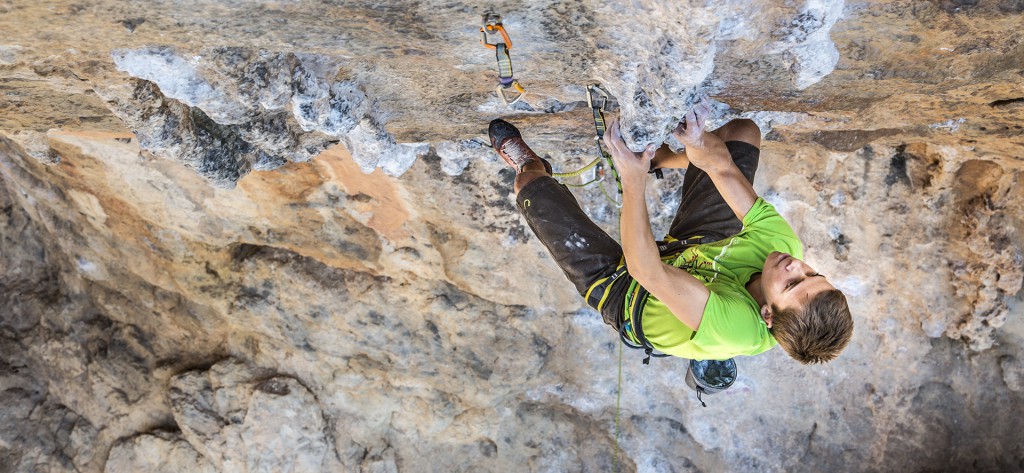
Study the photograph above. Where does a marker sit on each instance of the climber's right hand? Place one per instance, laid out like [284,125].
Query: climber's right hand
[690,132]
[703,149]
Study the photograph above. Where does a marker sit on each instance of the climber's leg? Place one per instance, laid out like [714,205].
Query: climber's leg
[583,251]
[702,210]
[740,129]
[531,171]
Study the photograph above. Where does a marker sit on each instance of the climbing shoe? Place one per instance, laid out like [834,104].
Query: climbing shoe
[506,140]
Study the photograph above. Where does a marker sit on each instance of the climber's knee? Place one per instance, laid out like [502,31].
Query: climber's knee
[740,129]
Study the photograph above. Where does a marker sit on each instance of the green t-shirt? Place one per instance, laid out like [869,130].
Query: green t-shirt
[732,323]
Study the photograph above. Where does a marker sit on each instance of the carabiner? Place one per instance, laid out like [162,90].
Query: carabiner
[598,101]
[597,97]
[492,24]
[501,91]
[491,18]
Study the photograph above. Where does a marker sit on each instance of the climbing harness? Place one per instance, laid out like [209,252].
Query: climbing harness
[635,327]
[493,36]
[703,376]
[631,331]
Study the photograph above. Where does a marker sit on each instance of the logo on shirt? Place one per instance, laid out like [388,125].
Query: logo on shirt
[695,266]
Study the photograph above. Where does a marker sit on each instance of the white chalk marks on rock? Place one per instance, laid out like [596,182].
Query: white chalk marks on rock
[231,110]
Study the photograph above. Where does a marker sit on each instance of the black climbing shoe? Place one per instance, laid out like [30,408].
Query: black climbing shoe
[508,142]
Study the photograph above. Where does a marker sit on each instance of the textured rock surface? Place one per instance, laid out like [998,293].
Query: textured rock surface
[158,452]
[242,424]
[242,236]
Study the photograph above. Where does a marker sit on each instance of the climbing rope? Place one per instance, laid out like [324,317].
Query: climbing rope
[493,36]
[618,409]
[578,172]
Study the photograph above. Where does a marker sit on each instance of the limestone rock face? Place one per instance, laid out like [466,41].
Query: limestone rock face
[271,236]
[157,452]
[270,425]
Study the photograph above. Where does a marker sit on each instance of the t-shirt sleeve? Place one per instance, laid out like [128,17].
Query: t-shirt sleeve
[763,223]
[760,214]
[731,324]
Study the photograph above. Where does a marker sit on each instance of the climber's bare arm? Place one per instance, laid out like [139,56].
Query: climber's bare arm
[682,293]
[708,152]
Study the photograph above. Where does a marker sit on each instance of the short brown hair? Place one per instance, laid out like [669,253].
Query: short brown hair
[817,333]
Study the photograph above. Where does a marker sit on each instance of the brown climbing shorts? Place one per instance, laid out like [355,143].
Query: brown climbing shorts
[702,209]
[584,251]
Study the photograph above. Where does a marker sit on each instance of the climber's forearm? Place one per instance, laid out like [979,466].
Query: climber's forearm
[638,247]
[735,188]
[683,294]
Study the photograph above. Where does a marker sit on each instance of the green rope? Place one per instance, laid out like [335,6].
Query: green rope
[611,166]
[578,172]
[609,198]
[618,407]
[597,180]
[585,184]
[604,191]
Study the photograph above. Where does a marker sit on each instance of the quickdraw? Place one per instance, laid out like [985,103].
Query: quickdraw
[599,101]
[493,36]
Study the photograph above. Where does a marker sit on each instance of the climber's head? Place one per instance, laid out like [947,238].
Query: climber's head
[806,314]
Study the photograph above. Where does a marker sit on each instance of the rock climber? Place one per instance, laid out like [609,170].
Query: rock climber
[728,280]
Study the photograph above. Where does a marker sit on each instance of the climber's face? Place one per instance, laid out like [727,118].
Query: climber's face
[789,283]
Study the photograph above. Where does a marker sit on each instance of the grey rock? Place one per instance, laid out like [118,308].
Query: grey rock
[240,423]
[375,282]
[1013,373]
[157,452]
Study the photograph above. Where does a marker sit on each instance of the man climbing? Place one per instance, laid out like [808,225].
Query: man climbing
[729,279]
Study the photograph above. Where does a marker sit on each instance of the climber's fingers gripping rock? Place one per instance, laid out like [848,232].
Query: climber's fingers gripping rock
[690,132]
[631,166]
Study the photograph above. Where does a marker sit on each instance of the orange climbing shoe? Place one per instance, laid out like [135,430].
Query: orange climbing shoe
[508,142]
